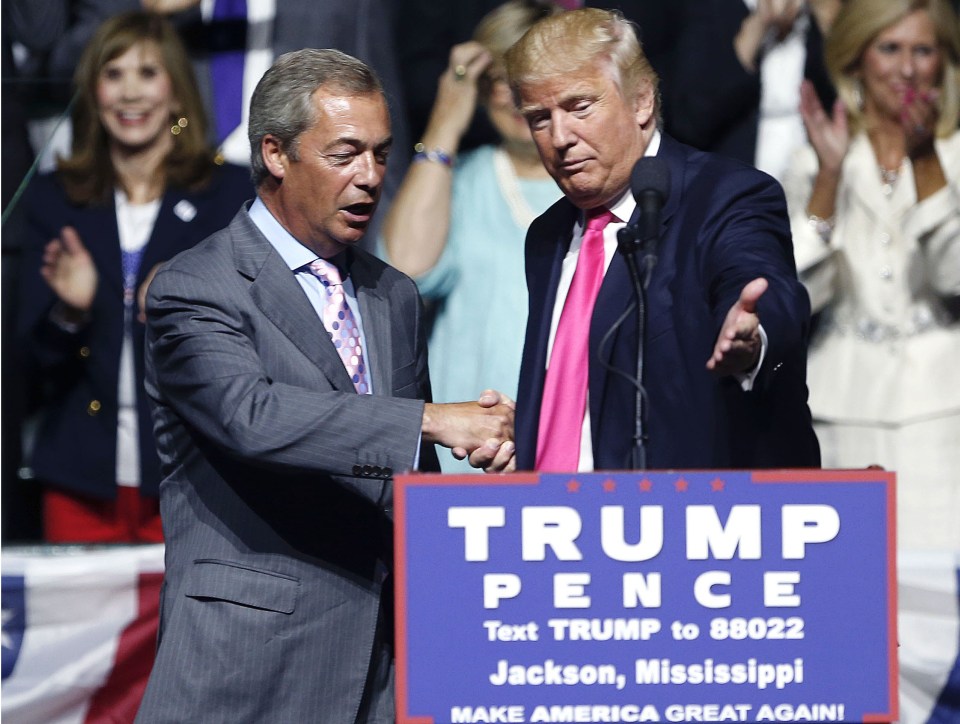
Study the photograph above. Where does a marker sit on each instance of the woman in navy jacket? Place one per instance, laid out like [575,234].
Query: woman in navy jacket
[140,186]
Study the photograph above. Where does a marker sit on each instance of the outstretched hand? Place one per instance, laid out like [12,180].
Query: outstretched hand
[69,270]
[737,348]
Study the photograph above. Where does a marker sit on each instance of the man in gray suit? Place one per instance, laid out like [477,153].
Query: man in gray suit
[276,498]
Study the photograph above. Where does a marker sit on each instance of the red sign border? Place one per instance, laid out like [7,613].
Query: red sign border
[804,475]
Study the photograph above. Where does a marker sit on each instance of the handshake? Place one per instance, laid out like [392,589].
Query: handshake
[481,431]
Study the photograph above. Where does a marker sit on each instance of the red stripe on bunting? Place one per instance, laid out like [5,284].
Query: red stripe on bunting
[117,701]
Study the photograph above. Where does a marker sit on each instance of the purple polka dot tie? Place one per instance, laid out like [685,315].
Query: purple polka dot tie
[340,323]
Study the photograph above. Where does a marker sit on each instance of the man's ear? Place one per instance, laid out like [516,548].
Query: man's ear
[274,157]
[644,103]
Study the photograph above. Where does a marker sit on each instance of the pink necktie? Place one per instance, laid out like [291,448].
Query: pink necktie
[340,323]
[565,389]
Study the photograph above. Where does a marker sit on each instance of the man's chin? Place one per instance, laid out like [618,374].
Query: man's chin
[352,233]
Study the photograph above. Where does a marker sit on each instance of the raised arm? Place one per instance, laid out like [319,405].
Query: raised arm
[415,230]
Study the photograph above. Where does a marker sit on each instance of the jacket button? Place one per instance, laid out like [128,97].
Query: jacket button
[367,470]
[357,470]
[388,471]
[93,408]
[377,470]
[84,352]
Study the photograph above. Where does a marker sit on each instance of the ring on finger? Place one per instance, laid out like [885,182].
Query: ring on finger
[460,71]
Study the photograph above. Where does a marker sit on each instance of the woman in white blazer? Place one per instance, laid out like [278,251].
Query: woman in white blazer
[875,212]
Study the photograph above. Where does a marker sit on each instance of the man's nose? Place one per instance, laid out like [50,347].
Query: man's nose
[561,132]
[370,171]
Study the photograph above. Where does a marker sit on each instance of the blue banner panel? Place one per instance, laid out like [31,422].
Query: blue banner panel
[646,597]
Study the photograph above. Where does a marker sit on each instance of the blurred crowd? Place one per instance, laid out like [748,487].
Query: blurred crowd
[124,142]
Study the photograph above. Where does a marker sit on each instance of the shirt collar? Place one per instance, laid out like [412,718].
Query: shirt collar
[294,254]
[624,206]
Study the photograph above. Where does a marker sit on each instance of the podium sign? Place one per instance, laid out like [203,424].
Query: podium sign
[634,597]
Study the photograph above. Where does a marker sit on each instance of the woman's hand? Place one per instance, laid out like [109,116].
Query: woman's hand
[919,117]
[456,96]
[769,16]
[69,270]
[142,293]
[829,135]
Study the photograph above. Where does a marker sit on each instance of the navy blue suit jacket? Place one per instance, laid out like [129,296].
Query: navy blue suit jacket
[78,372]
[723,225]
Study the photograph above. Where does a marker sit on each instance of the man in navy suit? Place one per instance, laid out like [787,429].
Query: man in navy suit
[727,321]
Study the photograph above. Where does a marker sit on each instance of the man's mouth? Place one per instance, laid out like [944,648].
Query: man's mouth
[359,213]
[573,165]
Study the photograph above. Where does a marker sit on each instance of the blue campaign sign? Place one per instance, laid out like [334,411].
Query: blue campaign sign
[635,597]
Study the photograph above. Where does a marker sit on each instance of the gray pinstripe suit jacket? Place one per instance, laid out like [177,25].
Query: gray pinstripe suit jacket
[276,489]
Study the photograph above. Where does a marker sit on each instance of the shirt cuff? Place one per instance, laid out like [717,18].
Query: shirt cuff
[746,379]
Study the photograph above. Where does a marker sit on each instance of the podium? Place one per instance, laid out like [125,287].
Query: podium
[646,596]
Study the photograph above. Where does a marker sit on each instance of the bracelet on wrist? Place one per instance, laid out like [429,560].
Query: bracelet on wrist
[432,155]
[823,227]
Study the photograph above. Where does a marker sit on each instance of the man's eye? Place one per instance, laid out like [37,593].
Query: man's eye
[538,121]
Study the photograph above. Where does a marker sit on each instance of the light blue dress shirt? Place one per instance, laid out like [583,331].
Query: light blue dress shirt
[298,258]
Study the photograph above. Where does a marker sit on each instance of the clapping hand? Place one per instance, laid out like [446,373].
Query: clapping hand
[69,270]
[919,118]
[829,135]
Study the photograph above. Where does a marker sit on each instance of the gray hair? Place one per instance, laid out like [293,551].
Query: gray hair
[281,105]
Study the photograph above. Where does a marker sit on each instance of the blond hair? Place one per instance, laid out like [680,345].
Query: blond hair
[564,43]
[503,26]
[856,26]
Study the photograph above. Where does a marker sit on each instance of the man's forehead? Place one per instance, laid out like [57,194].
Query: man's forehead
[559,90]
[333,99]
[353,115]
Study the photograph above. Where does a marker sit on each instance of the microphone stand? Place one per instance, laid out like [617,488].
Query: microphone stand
[628,242]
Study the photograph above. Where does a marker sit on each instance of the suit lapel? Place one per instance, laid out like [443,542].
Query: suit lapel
[544,259]
[163,229]
[616,292]
[99,231]
[377,329]
[276,292]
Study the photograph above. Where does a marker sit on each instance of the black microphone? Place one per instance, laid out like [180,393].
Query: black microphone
[650,185]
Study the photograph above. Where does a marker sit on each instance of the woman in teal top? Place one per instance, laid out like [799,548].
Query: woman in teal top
[458,227]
